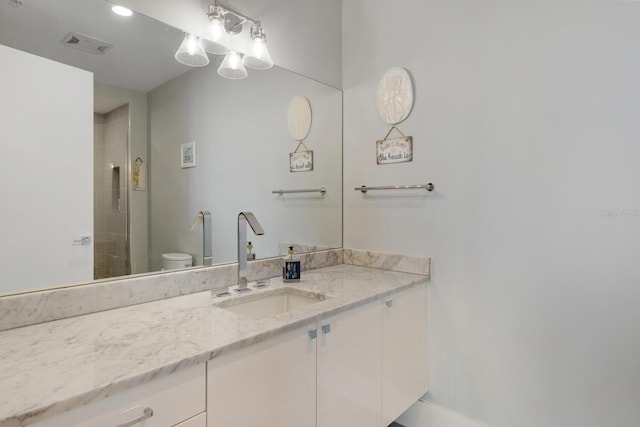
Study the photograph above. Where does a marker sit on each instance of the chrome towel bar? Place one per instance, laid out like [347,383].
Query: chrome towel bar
[428,187]
[311,190]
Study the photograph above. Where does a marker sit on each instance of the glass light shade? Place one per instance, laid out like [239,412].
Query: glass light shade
[219,43]
[231,67]
[191,52]
[258,55]
[122,11]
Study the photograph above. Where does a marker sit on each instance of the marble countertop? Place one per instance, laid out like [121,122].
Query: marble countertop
[52,367]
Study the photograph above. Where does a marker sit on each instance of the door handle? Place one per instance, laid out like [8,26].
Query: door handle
[84,241]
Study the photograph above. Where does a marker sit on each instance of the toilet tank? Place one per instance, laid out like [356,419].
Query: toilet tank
[176,261]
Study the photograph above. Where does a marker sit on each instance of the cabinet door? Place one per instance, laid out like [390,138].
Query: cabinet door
[349,368]
[404,339]
[272,383]
[197,421]
[163,402]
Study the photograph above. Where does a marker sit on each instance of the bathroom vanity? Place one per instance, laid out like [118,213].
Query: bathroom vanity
[346,345]
[355,355]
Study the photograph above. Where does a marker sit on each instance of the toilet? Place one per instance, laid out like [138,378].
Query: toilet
[176,261]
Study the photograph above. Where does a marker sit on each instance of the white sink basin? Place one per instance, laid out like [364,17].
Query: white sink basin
[258,305]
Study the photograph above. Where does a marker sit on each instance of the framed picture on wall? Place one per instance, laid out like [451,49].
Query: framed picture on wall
[188,155]
[301,161]
[139,176]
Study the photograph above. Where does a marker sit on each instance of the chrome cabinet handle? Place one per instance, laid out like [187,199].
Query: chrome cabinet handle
[148,413]
[326,329]
[389,303]
[313,334]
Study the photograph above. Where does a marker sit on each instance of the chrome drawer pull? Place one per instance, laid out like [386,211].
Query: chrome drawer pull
[148,413]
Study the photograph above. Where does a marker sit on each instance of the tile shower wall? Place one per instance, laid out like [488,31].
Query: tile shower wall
[99,210]
[111,255]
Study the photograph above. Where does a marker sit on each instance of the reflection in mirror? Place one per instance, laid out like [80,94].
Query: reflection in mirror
[108,170]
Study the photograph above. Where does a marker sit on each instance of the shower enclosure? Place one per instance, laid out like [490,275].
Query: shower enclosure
[111,202]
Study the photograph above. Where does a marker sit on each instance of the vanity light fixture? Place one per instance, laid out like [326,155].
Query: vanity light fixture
[122,11]
[258,55]
[191,52]
[225,22]
[232,67]
[219,43]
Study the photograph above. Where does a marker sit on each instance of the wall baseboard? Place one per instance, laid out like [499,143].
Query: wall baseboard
[427,414]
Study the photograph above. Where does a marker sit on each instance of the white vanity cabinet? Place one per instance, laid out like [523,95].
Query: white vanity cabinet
[174,400]
[329,370]
[404,351]
[272,383]
[349,364]
[362,367]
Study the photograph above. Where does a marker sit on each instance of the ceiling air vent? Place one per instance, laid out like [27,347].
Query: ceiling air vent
[86,43]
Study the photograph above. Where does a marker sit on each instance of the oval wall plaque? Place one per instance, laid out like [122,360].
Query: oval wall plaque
[395,96]
[299,118]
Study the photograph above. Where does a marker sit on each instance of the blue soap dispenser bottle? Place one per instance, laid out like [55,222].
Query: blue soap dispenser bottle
[291,268]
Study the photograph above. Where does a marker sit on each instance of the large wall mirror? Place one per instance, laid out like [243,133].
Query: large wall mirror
[124,186]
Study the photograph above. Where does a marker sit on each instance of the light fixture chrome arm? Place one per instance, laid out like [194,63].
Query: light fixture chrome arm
[217,11]
[226,21]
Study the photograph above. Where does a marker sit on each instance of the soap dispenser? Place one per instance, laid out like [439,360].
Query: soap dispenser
[291,268]
[250,255]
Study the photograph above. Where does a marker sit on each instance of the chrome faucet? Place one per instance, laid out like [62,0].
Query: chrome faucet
[243,219]
[204,218]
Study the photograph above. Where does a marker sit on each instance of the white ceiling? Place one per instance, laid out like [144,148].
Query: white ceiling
[143,55]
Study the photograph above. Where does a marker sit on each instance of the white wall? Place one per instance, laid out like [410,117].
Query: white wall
[526,120]
[242,145]
[46,130]
[302,35]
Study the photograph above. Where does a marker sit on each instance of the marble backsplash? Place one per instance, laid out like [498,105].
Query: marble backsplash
[44,306]
[393,262]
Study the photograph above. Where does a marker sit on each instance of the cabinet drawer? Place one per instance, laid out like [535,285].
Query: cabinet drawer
[173,399]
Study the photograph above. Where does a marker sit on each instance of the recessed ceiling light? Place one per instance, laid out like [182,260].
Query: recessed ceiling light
[122,11]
